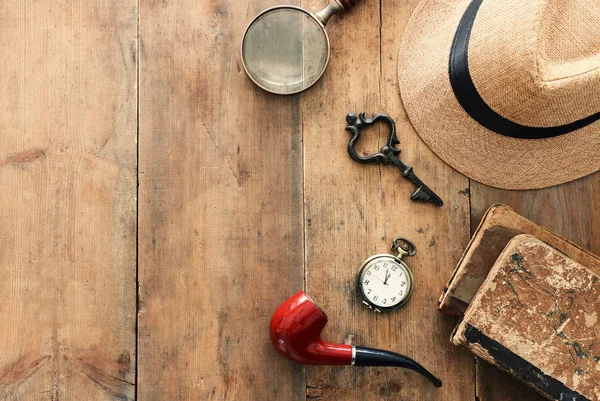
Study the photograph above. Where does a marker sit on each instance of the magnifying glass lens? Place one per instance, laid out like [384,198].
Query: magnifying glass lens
[285,50]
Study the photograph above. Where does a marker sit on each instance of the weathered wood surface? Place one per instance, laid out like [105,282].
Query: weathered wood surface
[67,207]
[220,210]
[353,211]
[571,210]
[244,198]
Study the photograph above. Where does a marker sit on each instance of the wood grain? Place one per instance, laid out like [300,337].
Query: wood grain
[571,210]
[220,210]
[244,198]
[354,211]
[67,209]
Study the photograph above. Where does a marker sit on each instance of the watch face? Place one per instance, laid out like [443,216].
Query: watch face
[385,282]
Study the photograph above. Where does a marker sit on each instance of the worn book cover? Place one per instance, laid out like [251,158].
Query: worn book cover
[536,317]
[498,226]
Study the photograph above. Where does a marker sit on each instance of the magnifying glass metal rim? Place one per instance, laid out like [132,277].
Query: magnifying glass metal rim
[313,16]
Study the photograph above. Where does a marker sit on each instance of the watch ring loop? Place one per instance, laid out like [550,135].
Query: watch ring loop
[404,246]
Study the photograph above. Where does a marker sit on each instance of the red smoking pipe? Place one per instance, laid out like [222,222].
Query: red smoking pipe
[295,331]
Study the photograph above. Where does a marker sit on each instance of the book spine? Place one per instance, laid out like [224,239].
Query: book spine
[503,358]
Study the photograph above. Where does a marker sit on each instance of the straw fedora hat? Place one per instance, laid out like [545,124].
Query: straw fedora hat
[506,91]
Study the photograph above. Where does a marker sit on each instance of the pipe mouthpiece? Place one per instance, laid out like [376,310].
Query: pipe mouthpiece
[376,357]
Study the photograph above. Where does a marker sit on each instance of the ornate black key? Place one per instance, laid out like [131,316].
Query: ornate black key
[388,153]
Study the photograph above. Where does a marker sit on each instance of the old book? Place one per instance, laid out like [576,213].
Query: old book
[536,317]
[498,226]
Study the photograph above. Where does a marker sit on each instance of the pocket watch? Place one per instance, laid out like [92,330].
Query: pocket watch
[384,281]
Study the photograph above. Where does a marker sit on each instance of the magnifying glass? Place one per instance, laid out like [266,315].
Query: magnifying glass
[285,49]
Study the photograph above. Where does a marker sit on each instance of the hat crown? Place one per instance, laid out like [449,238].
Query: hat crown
[568,44]
[538,63]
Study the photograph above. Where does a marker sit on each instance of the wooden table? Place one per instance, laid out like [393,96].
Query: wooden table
[157,207]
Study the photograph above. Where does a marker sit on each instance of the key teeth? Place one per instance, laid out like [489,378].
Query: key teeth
[424,194]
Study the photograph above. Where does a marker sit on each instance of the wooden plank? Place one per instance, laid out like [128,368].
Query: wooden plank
[571,210]
[353,211]
[67,209]
[220,209]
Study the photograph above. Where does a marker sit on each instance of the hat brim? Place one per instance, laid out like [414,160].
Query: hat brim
[490,158]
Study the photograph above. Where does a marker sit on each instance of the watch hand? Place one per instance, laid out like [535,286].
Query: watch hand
[387,276]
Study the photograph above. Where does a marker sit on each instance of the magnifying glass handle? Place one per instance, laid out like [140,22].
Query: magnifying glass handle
[334,7]
[348,4]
